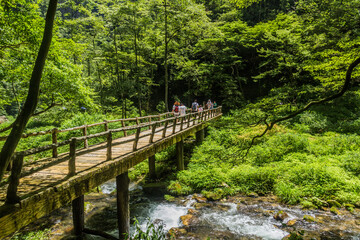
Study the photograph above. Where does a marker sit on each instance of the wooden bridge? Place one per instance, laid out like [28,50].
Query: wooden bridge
[36,188]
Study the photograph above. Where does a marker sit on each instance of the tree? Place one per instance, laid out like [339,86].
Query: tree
[33,92]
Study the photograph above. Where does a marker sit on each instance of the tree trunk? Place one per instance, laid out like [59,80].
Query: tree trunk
[33,92]
[166,64]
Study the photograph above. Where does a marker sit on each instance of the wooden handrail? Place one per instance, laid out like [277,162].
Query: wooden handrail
[198,117]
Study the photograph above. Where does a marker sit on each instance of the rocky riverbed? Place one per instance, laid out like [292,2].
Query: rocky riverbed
[254,217]
[195,217]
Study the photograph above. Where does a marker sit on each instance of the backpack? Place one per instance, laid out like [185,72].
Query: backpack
[176,109]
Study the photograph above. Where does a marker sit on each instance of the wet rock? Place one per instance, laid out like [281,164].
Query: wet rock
[309,218]
[200,198]
[357,222]
[193,211]
[188,219]
[334,210]
[291,222]
[281,215]
[176,232]
[334,203]
[201,205]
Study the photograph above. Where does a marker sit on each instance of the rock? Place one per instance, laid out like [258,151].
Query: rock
[291,222]
[334,210]
[199,198]
[357,222]
[176,232]
[188,219]
[307,205]
[193,211]
[309,218]
[281,215]
[349,207]
[334,203]
[253,195]
[201,205]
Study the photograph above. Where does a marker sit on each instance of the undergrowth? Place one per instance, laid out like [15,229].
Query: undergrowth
[312,158]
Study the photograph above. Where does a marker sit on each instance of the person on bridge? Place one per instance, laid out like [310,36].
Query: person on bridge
[182,109]
[176,109]
[200,108]
[215,104]
[209,104]
[194,106]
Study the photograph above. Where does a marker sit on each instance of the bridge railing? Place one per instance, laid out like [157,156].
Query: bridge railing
[159,125]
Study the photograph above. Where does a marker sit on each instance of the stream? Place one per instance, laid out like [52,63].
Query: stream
[193,217]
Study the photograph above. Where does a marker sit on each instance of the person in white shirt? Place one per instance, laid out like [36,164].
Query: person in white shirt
[182,109]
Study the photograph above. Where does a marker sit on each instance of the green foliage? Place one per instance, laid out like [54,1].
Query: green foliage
[153,231]
[38,235]
[300,168]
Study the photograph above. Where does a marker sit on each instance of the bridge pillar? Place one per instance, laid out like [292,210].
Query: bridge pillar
[152,172]
[123,210]
[78,216]
[180,155]
[200,136]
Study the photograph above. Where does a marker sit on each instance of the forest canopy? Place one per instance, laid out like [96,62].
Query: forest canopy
[111,56]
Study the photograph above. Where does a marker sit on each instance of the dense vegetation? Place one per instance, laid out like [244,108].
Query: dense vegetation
[308,160]
[259,59]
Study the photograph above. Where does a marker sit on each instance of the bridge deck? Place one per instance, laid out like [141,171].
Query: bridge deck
[46,186]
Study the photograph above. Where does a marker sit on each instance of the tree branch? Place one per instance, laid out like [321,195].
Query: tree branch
[344,88]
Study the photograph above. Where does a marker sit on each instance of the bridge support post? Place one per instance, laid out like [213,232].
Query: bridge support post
[123,210]
[180,155]
[78,216]
[152,172]
[200,136]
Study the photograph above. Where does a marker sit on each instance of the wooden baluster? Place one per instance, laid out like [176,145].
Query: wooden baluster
[165,128]
[188,121]
[153,128]
[137,135]
[205,116]
[109,146]
[54,141]
[86,144]
[182,122]
[174,125]
[106,126]
[123,125]
[149,122]
[72,167]
[14,180]
[137,121]
[193,121]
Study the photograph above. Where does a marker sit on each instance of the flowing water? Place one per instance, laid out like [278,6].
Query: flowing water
[218,220]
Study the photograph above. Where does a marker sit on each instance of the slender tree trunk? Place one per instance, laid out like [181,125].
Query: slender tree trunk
[166,58]
[33,93]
